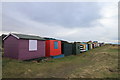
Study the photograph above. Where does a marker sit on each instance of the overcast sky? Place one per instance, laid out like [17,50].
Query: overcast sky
[72,21]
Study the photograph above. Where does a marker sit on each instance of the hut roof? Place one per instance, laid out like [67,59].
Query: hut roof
[23,36]
[46,38]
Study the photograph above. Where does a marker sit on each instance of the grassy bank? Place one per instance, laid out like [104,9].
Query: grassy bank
[100,62]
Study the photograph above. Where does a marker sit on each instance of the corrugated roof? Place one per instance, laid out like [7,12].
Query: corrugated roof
[23,36]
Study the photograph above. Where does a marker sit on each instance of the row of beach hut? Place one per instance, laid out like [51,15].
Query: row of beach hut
[25,47]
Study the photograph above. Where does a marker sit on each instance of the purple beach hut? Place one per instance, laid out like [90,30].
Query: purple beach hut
[23,47]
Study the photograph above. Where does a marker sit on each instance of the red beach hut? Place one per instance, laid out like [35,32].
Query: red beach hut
[53,48]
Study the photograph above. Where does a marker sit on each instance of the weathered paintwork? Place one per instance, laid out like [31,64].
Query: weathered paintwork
[19,49]
[50,51]
[66,48]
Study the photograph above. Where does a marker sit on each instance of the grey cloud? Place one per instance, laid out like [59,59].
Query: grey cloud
[59,20]
[65,14]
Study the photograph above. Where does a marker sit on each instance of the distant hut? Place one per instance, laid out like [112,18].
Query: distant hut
[101,44]
[83,47]
[76,48]
[90,46]
[66,48]
[95,44]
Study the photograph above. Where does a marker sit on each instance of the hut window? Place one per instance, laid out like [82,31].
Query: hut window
[55,45]
[32,45]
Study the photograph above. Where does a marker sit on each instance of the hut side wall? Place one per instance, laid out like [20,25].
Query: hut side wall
[86,47]
[47,48]
[50,51]
[24,52]
[90,46]
[66,49]
[76,48]
[11,47]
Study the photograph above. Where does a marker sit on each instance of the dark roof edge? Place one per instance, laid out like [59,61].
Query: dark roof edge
[15,35]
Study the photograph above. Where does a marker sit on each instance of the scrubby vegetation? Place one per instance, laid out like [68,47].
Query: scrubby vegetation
[100,62]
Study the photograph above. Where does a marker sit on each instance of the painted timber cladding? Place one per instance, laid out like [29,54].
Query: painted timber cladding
[24,52]
[11,47]
[76,48]
[50,50]
[90,46]
[85,46]
[19,49]
[66,48]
